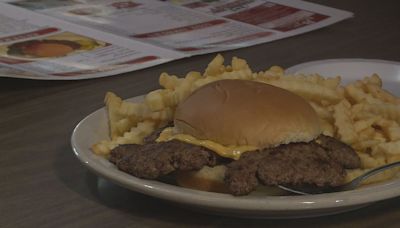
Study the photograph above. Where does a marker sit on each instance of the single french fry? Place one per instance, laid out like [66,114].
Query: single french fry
[327,128]
[388,111]
[369,162]
[113,102]
[215,67]
[344,123]
[381,94]
[373,80]
[239,64]
[308,90]
[170,82]
[364,123]
[322,112]
[390,148]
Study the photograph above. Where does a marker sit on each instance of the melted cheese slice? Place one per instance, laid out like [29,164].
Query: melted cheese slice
[233,152]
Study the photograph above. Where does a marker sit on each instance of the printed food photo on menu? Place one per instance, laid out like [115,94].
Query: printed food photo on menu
[53,46]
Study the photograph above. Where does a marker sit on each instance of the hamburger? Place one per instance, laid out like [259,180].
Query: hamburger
[234,135]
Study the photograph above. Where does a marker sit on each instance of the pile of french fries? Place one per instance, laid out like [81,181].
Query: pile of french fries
[361,114]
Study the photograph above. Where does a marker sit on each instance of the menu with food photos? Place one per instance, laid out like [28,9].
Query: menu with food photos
[80,39]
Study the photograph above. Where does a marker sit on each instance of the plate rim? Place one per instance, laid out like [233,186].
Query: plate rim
[275,203]
[295,68]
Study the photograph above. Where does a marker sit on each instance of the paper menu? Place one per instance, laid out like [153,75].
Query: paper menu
[88,39]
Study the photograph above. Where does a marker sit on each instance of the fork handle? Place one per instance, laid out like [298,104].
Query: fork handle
[372,172]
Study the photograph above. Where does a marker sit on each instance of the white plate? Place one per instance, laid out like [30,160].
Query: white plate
[353,69]
[94,128]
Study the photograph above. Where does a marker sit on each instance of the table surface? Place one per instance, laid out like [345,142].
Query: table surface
[44,185]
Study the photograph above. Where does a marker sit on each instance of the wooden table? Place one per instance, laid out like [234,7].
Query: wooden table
[44,185]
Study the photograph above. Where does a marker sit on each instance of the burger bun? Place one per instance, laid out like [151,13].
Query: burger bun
[246,113]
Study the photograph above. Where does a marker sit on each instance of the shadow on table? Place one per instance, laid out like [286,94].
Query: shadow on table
[149,209]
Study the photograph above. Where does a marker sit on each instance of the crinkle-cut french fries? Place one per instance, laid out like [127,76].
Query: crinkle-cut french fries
[134,136]
[327,128]
[123,115]
[113,102]
[389,148]
[239,64]
[308,90]
[368,161]
[362,114]
[385,175]
[344,123]
[215,67]
[381,94]
[390,128]
[186,87]
[357,95]
[388,111]
[374,79]
[322,111]
[170,82]
[363,124]
[159,99]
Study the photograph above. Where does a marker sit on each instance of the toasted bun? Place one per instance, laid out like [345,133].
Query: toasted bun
[240,112]
[211,179]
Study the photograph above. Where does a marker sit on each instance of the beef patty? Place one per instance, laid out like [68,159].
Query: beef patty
[321,162]
[154,160]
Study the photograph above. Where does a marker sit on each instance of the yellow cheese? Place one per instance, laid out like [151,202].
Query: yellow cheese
[233,152]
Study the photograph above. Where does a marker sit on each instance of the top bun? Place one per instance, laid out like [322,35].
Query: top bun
[240,112]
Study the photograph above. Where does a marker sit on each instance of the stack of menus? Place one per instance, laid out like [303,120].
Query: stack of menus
[80,39]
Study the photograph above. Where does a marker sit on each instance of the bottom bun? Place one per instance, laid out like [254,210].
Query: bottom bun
[210,179]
